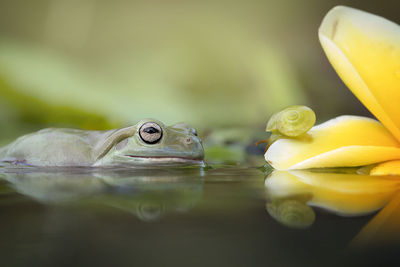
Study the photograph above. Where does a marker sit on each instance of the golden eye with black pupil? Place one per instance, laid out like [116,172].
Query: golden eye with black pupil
[150,133]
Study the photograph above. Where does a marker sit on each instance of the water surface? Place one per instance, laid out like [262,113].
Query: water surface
[222,216]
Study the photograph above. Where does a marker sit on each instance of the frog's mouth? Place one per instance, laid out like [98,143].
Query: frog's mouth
[168,159]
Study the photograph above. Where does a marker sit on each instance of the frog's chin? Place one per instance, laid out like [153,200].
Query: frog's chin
[166,159]
[144,161]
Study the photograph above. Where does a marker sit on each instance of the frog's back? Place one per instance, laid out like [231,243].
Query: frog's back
[52,147]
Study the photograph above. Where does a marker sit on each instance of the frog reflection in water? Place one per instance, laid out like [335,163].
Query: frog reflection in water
[149,194]
[149,142]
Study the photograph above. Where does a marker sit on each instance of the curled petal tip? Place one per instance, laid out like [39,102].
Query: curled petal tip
[364,49]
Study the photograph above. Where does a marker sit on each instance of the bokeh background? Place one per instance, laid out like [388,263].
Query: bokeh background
[96,64]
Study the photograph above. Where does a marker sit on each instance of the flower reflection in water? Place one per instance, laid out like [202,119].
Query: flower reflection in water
[383,228]
[345,194]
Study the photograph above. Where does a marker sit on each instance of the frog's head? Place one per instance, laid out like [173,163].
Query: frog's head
[150,142]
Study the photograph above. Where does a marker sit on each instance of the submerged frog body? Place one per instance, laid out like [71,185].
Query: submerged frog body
[149,142]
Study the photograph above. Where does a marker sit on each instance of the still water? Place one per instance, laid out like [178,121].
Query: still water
[219,216]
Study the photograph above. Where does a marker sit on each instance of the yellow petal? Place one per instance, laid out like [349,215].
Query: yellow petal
[345,141]
[387,168]
[364,49]
[345,194]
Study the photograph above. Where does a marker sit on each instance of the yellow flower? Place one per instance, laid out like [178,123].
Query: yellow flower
[364,49]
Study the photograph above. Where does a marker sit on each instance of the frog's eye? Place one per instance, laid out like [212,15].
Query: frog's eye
[150,133]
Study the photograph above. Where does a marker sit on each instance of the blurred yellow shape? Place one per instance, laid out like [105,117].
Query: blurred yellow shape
[344,141]
[364,49]
[344,194]
[383,228]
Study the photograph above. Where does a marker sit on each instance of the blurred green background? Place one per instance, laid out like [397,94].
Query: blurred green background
[99,64]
